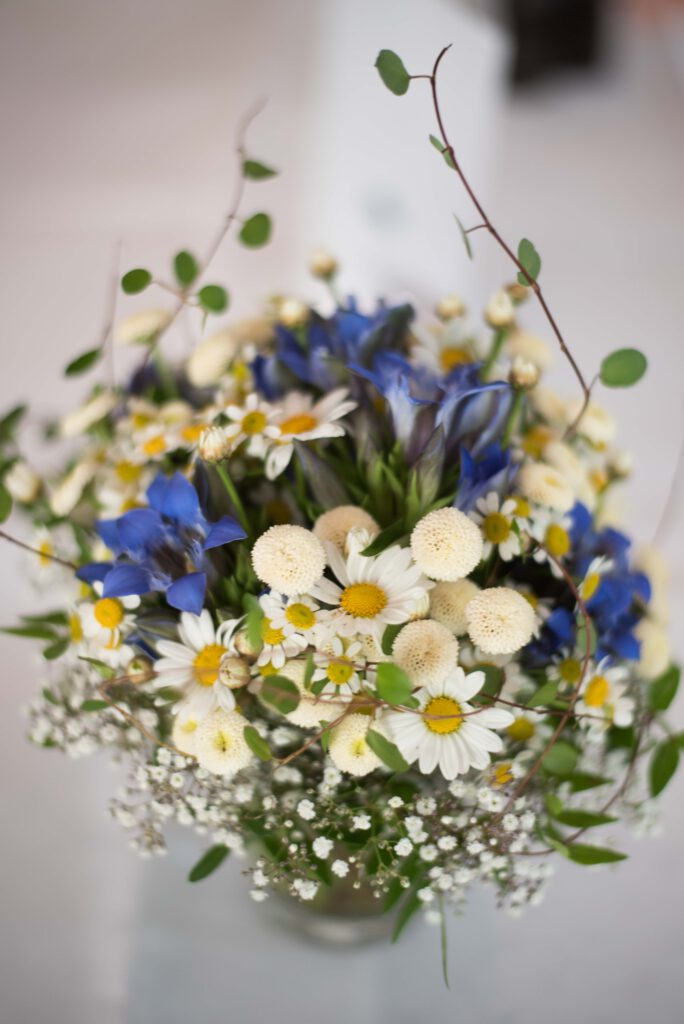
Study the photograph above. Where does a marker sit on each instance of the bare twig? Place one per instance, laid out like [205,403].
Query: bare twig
[36,551]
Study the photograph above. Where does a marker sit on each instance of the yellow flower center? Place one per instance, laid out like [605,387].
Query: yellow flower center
[597,692]
[363,600]
[222,741]
[496,528]
[521,730]
[268,670]
[359,747]
[598,479]
[298,424]
[570,670]
[46,552]
[75,629]
[270,635]
[155,445]
[300,616]
[109,612]
[192,433]
[140,420]
[447,712]
[340,671]
[590,585]
[207,663]
[522,507]
[502,774]
[128,472]
[253,423]
[557,541]
[189,726]
[454,355]
[536,440]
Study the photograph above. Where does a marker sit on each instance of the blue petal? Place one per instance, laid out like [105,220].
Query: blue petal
[125,580]
[224,531]
[180,501]
[157,491]
[139,529]
[93,572]
[187,593]
[108,532]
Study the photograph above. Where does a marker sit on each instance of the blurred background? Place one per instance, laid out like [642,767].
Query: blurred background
[116,124]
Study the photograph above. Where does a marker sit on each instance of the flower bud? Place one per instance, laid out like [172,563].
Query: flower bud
[138,669]
[210,359]
[94,410]
[243,646]
[518,292]
[233,672]
[143,327]
[523,374]
[293,313]
[214,445]
[450,307]
[68,492]
[22,482]
[323,264]
[500,311]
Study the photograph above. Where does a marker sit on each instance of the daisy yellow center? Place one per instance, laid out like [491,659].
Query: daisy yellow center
[447,712]
[597,692]
[268,670]
[570,670]
[598,479]
[590,585]
[207,663]
[557,540]
[340,671]
[140,420]
[75,629]
[270,635]
[155,445]
[109,612]
[192,433]
[298,424]
[46,551]
[363,600]
[522,507]
[454,355]
[300,616]
[253,423]
[496,528]
[535,440]
[128,472]
[521,730]
[502,774]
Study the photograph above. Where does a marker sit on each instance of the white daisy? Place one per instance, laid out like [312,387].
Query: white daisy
[251,423]
[105,623]
[372,592]
[447,732]
[496,519]
[603,698]
[443,347]
[592,578]
[284,627]
[338,669]
[193,665]
[300,419]
[552,531]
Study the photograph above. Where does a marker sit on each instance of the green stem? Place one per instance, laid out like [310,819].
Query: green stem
[512,418]
[494,351]
[166,379]
[234,497]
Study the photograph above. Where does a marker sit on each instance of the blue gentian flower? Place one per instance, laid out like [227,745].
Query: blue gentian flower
[495,471]
[162,548]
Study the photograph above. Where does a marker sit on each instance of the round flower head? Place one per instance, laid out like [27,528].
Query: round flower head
[220,745]
[500,311]
[288,559]
[544,485]
[333,526]
[22,482]
[448,732]
[349,750]
[214,444]
[530,347]
[446,544]
[500,620]
[210,359]
[448,603]
[426,651]
[184,734]
[143,326]
[310,711]
[602,698]
[655,649]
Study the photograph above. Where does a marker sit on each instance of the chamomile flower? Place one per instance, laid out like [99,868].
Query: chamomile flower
[566,671]
[299,418]
[294,614]
[105,624]
[603,698]
[338,667]
[496,519]
[444,346]
[285,640]
[552,531]
[371,593]
[446,731]
[597,568]
[251,424]
[194,665]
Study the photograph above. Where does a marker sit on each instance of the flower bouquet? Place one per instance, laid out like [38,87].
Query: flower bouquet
[339,591]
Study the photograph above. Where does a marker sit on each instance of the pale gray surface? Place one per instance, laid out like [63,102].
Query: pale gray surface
[114,125]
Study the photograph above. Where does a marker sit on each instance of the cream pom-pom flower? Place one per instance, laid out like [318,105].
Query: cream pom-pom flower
[210,359]
[448,603]
[220,745]
[533,349]
[597,425]
[333,526]
[655,649]
[349,750]
[142,326]
[446,544]
[446,731]
[500,620]
[545,486]
[426,650]
[311,710]
[299,418]
[288,559]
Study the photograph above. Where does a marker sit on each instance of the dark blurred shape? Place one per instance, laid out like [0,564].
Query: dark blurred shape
[554,35]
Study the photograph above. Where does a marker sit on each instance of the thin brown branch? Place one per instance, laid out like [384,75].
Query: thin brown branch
[36,551]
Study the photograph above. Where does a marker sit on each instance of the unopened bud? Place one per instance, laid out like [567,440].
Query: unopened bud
[450,307]
[233,672]
[518,292]
[323,264]
[22,482]
[293,313]
[243,646]
[523,374]
[214,445]
[500,311]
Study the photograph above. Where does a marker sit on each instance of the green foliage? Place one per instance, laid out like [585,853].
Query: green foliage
[390,535]
[10,421]
[582,819]
[544,695]
[5,503]
[106,671]
[280,693]
[581,781]
[186,268]
[83,362]
[389,636]
[256,231]
[664,764]
[253,620]
[94,705]
[530,261]
[664,689]
[256,171]
[213,298]
[580,853]
[387,751]
[256,743]
[136,280]
[394,686]
[623,368]
[444,150]
[56,650]
[560,759]
[466,238]
[34,631]
[392,72]
[211,860]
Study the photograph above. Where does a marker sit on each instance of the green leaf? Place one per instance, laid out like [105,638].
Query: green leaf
[444,150]
[211,860]
[106,671]
[554,804]
[83,362]
[581,781]
[530,260]
[5,503]
[136,281]
[213,298]
[494,679]
[10,422]
[253,621]
[664,689]
[256,231]
[56,650]
[544,695]
[389,636]
[580,853]
[256,171]
[388,536]
[394,686]
[623,368]
[256,743]
[408,908]
[387,751]
[185,267]
[560,759]
[308,671]
[280,693]
[94,705]
[466,238]
[393,73]
[35,632]
[664,764]
[582,819]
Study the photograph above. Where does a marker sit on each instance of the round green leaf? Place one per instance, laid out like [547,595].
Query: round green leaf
[213,298]
[623,368]
[393,73]
[185,267]
[256,231]
[257,171]
[83,362]
[530,260]
[560,759]
[280,693]
[136,281]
